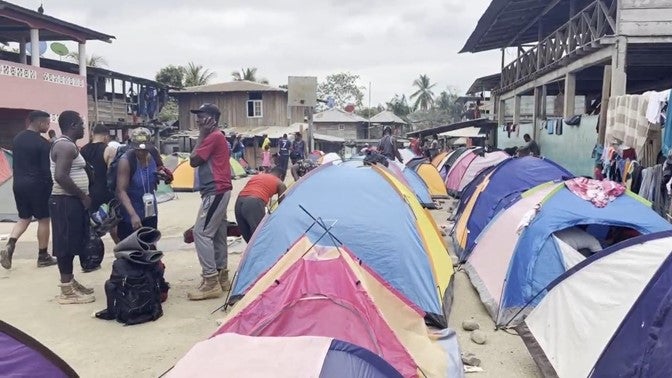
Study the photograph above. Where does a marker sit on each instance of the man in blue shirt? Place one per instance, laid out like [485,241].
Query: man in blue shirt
[284,147]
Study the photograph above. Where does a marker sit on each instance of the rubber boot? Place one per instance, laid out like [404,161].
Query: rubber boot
[71,296]
[210,288]
[224,280]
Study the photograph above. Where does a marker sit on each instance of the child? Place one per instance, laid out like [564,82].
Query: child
[598,172]
[266,159]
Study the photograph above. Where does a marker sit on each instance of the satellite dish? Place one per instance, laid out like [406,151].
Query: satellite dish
[59,49]
[350,108]
[43,48]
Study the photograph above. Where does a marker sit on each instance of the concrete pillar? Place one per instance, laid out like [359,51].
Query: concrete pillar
[544,101]
[501,111]
[516,109]
[619,78]
[570,95]
[23,59]
[82,59]
[35,47]
[536,116]
[606,90]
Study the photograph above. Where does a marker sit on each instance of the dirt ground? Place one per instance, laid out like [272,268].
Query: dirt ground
[96,348]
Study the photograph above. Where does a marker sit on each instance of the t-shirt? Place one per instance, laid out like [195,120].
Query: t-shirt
[284,146]
[386,146]
[31,160]
[263,186]
[215,174]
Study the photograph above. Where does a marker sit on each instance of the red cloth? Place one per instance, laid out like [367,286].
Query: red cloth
[215,174]
[598,174]
[262,186]
[600,193]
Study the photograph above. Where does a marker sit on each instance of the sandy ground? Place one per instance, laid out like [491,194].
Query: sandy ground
[96,348]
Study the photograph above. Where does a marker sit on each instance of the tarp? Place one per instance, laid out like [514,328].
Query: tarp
[23,356]
[233,355]
[619,323]
[511,263]
[496,191]
[319,290]
[371,216]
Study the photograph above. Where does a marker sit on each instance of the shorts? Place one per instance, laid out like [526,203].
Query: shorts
[31,203]
[69,225]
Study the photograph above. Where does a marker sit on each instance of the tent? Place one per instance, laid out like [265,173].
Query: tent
[320,290]
[23,356]
[608,316]
[517,254]
[164,192]
[469,166]
[185,178]
[440,159]
[454,157]
[233,355]
[376,216]
[416,184]
[407,154]
[432,179]
[237,170]
[495,191]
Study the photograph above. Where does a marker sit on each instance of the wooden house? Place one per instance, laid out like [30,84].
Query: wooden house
[339,123]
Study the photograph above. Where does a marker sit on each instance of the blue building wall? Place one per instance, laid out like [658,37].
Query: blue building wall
[573,148]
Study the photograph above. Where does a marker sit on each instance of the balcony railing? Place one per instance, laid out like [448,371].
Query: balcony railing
[579,36]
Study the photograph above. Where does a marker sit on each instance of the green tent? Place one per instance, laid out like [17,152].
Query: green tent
[164,192]
[237,170]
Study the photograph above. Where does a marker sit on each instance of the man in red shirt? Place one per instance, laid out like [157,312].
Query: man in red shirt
[211,158]
[251,203]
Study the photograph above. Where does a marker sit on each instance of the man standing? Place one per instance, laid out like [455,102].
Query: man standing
[284,147]
[69,206]
[32,188]
[388,145]
[298,149]
[211,156]
[251,203]
[99,154]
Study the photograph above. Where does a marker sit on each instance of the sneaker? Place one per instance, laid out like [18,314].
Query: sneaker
[71,296]
[89,270]
[81,288]
[210,288]
[6,256]
[46,260]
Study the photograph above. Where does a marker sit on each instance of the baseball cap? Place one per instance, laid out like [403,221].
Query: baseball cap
[210,109]
[140,138]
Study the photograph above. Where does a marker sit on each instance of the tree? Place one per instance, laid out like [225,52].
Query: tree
[399,106]
[424,97]
[249,74]
[343,88]
[170,111]
[370,112]
[196,75]
[172,76]
[92,61]
[447,103]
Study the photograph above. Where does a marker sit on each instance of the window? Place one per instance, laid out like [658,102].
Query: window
[254,105]
[341,127]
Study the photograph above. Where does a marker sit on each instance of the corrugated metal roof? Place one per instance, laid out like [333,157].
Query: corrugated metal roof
[273,132]
[231,86]
[387,116]
[337,116]
[329,138]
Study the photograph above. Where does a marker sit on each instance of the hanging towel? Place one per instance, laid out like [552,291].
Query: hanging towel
[600,193]
[667,132]
[558,127]
[550,126]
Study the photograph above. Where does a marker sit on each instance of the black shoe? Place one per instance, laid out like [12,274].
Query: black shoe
[45,260]
[6,256]
[89,270]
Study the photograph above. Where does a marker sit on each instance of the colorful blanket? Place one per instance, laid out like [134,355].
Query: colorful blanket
[600,193]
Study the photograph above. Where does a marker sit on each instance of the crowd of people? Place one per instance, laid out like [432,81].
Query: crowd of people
[61,186]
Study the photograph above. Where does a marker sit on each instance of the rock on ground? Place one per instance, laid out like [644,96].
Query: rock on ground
[470,325]
[479,337]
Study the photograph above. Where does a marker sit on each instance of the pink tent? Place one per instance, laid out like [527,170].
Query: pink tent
[467,168]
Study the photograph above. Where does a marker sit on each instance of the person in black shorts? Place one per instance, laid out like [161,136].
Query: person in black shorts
[32,188]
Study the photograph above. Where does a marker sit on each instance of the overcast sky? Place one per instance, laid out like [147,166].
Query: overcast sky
[387,42]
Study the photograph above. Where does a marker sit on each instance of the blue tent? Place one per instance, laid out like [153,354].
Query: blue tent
[504,185]
[538,258]
[419,188]
[610,314]
[370,217]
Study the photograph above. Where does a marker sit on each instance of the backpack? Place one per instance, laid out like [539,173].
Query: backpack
[94,251]
[114,165]
[135,292]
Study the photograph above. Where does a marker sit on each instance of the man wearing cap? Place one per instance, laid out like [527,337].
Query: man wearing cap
[136,184]
[211,157]
[32,187]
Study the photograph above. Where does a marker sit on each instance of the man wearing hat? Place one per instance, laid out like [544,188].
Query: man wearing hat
[211,158]
[136,183]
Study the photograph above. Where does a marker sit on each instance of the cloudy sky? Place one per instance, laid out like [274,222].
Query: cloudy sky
[387,42]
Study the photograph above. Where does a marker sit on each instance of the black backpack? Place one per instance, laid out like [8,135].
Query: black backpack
[114,165]
[134,292]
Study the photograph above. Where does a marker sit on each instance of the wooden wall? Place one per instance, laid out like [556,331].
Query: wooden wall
[233,106]
[347,131]
[645,17]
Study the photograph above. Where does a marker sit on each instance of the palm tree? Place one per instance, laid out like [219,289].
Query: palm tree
[248,74]
[92,61]
[196,75]
[424,95]
[399,106]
